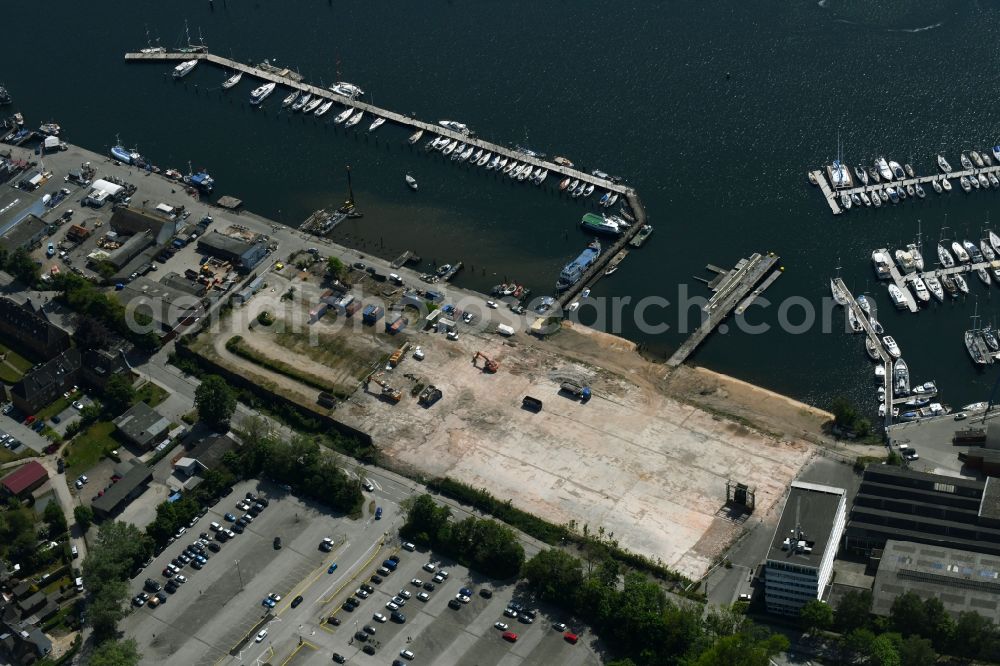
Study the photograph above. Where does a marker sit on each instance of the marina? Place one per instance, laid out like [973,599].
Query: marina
[453,131]
[985,177]
[850,303]
[731,288]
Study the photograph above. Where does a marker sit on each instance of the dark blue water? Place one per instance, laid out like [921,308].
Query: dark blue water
[713,111]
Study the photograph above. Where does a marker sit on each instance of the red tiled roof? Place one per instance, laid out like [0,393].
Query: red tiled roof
[24,477]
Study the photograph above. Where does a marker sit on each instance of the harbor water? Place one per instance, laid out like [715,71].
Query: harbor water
[714,113]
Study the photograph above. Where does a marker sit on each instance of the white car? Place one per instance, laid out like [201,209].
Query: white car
[491,305]
[180,578]
[261,635]
[400,601]
[444,574]
[418,354]
[464,599]
[405,594]
[392,605]
[77,405]
[423,596]
[417,582]
[502,626]
[452,335]
[368,485]
[406,654]
[409,546]
[378,617]
[430,567]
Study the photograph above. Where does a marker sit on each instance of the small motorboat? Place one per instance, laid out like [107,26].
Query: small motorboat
[877,326]
[920,289]
[959,252]
[897,297]
[450,148]
[288,101]
[301,102]
[876,199]
[865,200]
[996,153]
[893,194]
[983,276]
[476,156]
[845,201]
[891,346]
[484,159]
[879,371]
[994,181]
[864,304]
[565,183]
[415,136]
[411,181]
[911,191]
[901,191]
[872,350]
[355,119]
[855,199]
[378,122]
[987,160]
[852,319]
[994,241]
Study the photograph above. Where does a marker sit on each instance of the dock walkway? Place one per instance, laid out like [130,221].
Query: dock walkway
[733,288]
[887,360]
[398,118]
[902,280]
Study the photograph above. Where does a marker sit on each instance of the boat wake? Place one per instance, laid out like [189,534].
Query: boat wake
[868,25]
[926,27]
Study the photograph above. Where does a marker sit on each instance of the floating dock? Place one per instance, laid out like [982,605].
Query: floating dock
[398,118]
[731,287]
[884,356]
[902,280]
[832,195]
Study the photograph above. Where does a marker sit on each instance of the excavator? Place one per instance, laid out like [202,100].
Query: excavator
[489,365]
[388,393]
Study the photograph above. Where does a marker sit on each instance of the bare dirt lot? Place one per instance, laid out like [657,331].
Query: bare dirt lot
[647,458]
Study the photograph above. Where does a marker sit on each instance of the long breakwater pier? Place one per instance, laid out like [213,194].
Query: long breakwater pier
[832,194]
[294,81]
[731,288]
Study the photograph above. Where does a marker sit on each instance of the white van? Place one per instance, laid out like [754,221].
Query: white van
[79,584]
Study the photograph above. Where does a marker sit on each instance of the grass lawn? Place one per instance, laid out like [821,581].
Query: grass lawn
[6,455]
[22,364]
[55,407]
[151,394]
[89,447]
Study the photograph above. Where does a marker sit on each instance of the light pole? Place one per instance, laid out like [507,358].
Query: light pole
[239,573]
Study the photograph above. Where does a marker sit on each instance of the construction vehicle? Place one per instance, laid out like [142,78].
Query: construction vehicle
[533,404]
[576,390]
[388,393]
[429,395]
[398,354]
[489,365]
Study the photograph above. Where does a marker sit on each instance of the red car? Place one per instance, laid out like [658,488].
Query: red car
[571,637]
[30,420]
[510,636]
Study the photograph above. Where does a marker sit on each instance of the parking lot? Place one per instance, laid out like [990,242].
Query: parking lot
[932,440]
[220,604]
[433,631]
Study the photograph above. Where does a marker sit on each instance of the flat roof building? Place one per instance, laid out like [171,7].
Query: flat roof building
[800,560]
[240,253]
[962,580]
[24,233]
[142,425]
[932,509]
[132,484]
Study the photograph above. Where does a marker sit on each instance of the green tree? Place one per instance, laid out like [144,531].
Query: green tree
[845,414]
[742,649]
[119,394]
[89,415]
[215,401]
[853,611]
[554,575]
[916,652]
[116,653]
[884,652]
[22,266]
[106,608]
[939,626]
[816,616]
[84,516]
[91,333]
[857,645]
[425,520]
[336,268]
[907,615]
[55,518]
[971,635]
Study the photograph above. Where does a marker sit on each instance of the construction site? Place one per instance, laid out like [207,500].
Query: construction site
[576,429]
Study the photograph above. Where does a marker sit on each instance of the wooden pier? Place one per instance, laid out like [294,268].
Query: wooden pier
[884,356]
[732,289]
[398,118]
[832,195]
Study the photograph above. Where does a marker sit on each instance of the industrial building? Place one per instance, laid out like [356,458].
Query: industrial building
[243,254]
[932,509]
[142,425]
[168,308]
[962,580]
[800,560]
[133,482]
[24,233]
[102,191]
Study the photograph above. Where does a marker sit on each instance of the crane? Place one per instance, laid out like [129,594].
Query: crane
[489,365]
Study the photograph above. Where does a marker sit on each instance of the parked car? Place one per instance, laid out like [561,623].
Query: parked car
[296,601]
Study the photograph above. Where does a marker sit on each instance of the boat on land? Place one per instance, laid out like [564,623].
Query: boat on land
[411,181]
[185,68]
[574,270]
[890,346]
[415,136]
[290,99]
[943,164]
[260,93]
[324,108]
[232,80]
[301,102]
[343,115]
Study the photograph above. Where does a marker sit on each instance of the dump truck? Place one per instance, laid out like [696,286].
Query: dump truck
[576,390]
[533,404]
[397,355]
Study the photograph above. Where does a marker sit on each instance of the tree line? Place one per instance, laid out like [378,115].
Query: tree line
[913,633]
